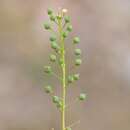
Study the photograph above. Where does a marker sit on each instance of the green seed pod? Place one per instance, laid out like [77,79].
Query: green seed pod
[54,45]
[68,128]
[65,34]
[78,62]
[69,28]
[49,11]
[52,17]
[52,58]
[55,99]
[47,69]
[76,40]
[76,76]
[70,79]
[53,38]
[77,52]
[82,96]
[59,104]
[48,89]
[67,19]
[47,26]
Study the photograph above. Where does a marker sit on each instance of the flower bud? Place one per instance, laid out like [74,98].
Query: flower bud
[55,99]
[47,69]
[48,89]
[77,52]
[76,76]
[82,96]
[52,58]
[76,40]
[47,26]
[69,28]
[59,17]
[68,128]
[67,19]
[70,79]
[78,62]
[52,17]
[49,11]
[53,38]
[65,34]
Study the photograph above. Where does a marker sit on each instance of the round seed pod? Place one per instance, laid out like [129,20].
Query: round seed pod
[67,19]
[48,89]
[55,99]
[78,62]
[69,28]
[76,76]
[49,11]
[59,104]
[70,79]
[47,26]
[76,40]
[52,58]
[65,34]
[53,38]
[54,45]
[47,69]
[68,128]
[52,17]
[77,52]
[82,96]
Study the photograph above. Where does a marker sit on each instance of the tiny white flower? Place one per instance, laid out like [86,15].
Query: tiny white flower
[64,11]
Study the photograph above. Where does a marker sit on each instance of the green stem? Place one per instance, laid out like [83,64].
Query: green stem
[63,75]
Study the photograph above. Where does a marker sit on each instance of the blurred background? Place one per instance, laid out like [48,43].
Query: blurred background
[104,29]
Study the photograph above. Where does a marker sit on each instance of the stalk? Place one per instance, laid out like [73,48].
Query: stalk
[63,75]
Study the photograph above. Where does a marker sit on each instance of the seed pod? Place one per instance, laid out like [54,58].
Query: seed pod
[47,69]
[76,76]
[77,52]
[49,11]
[55,99]
[69,28]
[52,58]
[47,26]
[70,79]
[67,19]
[78,62]
[54,45]
[76,40]
[52,17]
[48,89]
[68,128]
[65,34]
[82,96]
[59,104]
[53,38]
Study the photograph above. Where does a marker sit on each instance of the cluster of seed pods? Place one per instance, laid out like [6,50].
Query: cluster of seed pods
[62,21]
